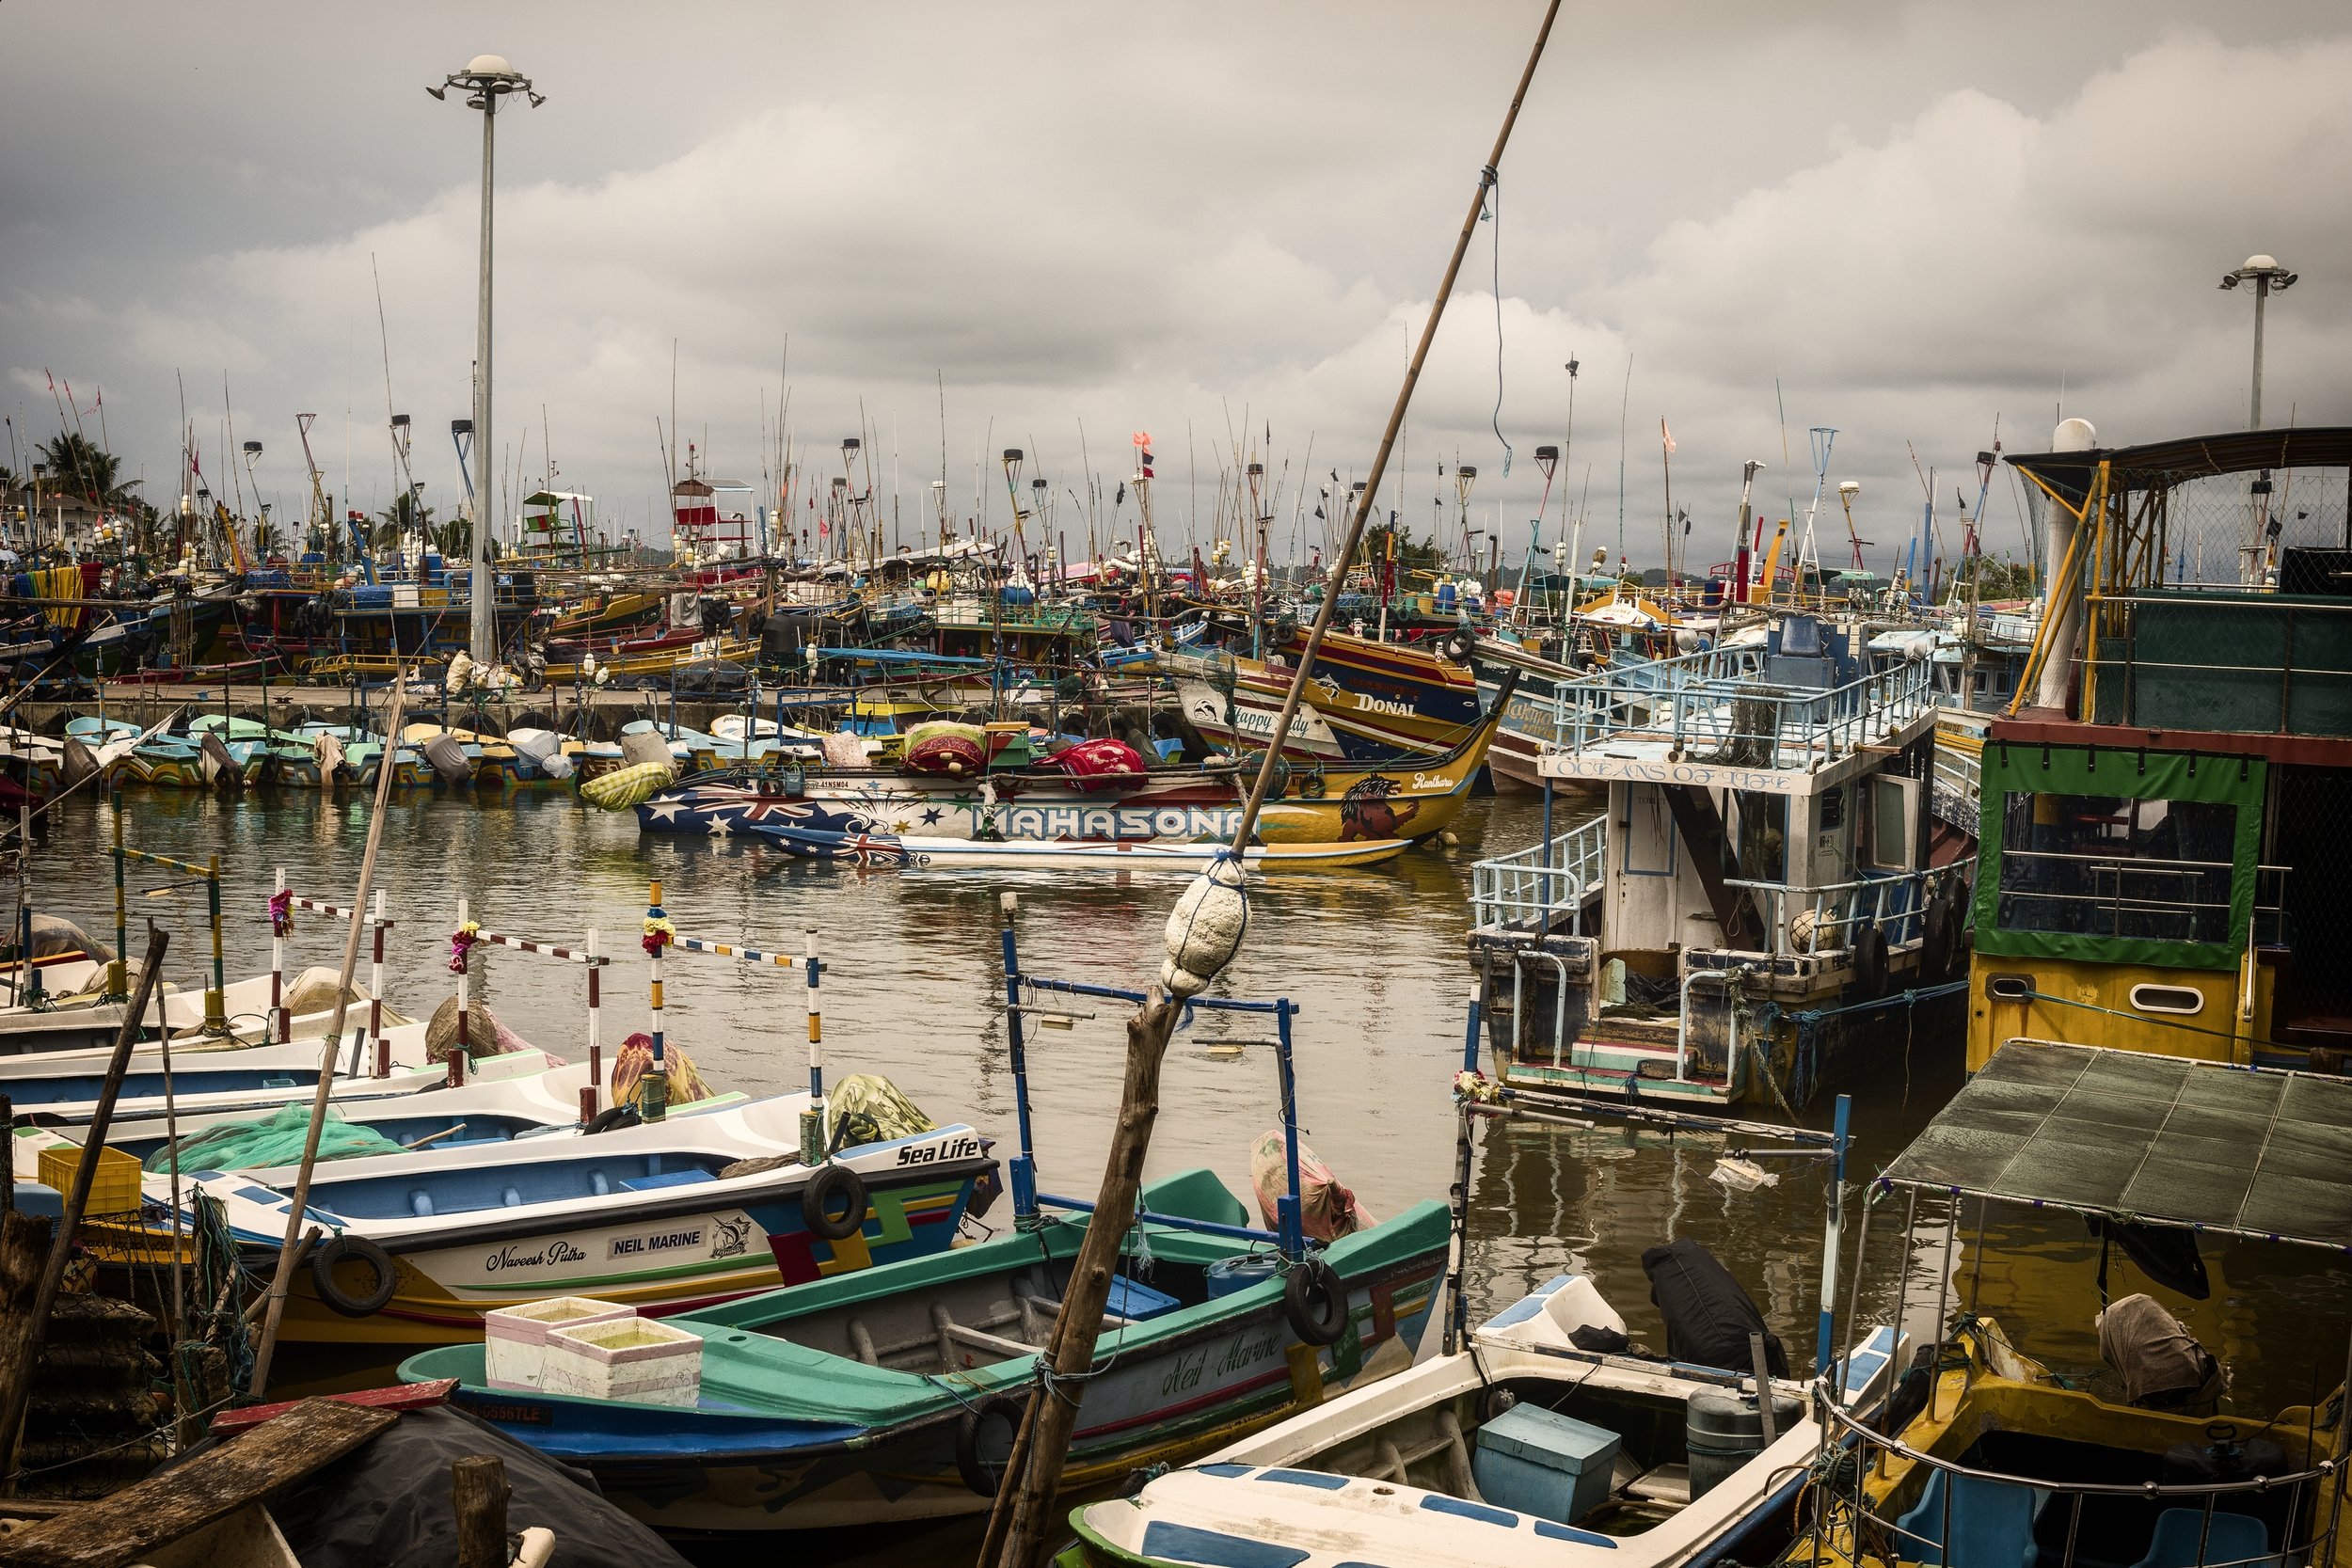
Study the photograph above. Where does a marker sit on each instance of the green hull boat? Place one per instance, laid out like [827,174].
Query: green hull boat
[891,1395]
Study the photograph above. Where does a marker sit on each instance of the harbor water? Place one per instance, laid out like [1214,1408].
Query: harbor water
[913,992]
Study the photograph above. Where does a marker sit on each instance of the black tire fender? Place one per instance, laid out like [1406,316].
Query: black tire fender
[1939,939]
[613,1116]
[1316,1302]
[974,1473]
[1870,960]
[833,1183]
[346,1248]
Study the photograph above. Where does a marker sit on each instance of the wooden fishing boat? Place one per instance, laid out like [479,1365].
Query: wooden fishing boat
[166,761]
[1365,700]
[504,1094]
[684,1211]
[1756,913]
[816,834]
[1432,1466]
[891,1395]
[2010,1449]
[1328,804]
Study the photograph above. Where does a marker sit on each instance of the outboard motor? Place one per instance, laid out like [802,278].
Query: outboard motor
[2160,1362]
[1708,1314]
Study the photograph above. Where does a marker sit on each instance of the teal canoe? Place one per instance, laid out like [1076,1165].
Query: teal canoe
[891,1395]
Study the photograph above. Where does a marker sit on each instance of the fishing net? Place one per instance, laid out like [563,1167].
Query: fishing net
[313,991]
[630,1067]
[1327,1210]
[485,1035]
[627,787]
[868,1108]
[275,1140]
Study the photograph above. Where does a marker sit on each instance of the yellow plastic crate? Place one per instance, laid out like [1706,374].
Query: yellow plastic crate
[116,1191]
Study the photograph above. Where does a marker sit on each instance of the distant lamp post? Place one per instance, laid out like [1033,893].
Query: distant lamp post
[2268,277]
[485,79]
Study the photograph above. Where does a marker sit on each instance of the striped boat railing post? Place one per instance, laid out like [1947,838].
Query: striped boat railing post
[813,1119]
[282,1027]
[652,1099]
[375,988]
[595,1043]
[464,999]
[587,958]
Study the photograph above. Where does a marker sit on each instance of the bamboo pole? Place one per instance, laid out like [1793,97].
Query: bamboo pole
[283,1279]
[1021,1517]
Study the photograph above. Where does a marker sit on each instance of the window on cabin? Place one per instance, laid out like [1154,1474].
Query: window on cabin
[2106,867]
[1891,838]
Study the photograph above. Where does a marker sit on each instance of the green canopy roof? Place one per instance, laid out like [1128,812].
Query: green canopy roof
[2154,1139]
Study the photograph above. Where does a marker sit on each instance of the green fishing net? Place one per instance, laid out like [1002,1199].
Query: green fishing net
[275,1140]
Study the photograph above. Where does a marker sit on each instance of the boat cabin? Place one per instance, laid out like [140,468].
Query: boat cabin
[2164,841]
[1756,888]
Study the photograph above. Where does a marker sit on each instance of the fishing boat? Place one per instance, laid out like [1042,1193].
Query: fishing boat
[671,1213]
[2165,799]
[2007,1452]
[893,1396]
[172,761]
[510,1093]
[1040,800]
[1365,700]
[1525,1449]
[813,833]
[1756,911]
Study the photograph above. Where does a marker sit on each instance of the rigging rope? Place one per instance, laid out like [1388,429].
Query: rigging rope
[1494,215]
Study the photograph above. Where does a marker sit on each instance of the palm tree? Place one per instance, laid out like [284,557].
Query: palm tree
[79,467]
[395,522]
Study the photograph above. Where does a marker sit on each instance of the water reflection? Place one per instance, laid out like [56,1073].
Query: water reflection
[913,990]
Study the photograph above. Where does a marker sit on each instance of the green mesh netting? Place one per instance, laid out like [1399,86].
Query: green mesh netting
[275,1140]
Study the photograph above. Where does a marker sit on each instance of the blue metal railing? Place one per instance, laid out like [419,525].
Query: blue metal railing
[1531,888]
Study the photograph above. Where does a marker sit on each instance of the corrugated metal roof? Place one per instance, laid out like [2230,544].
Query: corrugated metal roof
[2159,1140]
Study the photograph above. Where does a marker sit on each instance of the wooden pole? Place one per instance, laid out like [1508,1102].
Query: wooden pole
[1388,441]
[1020,1521]
[1023,1516]
[24,1348]
[283,1279]
[478,1493]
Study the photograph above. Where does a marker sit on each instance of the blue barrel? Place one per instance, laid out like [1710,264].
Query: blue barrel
[1229,1275]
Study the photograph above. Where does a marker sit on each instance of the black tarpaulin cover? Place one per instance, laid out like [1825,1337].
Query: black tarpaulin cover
[1709,1316]
[2158,1139]
[387,1504]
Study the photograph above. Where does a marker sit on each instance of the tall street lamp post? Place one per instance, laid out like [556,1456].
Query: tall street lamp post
[485,79]
[2268,277]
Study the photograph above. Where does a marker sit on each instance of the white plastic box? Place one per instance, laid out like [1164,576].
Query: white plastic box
[514,1339]
[641,1360]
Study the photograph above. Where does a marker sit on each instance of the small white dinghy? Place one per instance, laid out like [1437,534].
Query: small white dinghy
[1528,1452]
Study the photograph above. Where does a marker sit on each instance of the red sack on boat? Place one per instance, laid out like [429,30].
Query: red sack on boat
[941,747]
[1099,763]
[1326,1211]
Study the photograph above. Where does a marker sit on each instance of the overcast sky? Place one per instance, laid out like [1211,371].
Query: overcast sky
[1200,221]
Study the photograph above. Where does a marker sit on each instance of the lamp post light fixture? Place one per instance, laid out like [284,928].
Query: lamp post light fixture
[2268,277]
[486,80]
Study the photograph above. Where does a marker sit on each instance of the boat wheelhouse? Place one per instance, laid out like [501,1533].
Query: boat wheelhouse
[1762,889]
[2164,806]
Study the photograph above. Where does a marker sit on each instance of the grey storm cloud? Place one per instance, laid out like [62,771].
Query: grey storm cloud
[1901,221]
